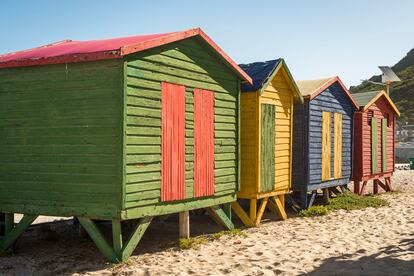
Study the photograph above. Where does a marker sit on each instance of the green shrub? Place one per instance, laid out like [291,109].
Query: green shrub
[233,233]
[351,201]
[191,242]
[314,211]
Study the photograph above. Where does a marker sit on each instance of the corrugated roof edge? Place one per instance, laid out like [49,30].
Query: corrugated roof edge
[329,83]
[379,95]
[129,49]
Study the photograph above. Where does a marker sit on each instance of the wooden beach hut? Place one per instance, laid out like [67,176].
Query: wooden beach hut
[322,140]
[266,138]
[118,129]
[374,140]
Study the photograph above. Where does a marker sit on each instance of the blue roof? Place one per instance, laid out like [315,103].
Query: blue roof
[259,72]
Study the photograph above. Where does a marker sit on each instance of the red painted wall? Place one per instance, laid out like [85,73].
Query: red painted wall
[173,142]
[362,141]
[203,143]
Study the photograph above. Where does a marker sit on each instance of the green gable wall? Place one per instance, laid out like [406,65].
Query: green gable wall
[192,64]
[61,139]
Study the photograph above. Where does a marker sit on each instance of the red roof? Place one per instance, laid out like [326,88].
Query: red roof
[77,51]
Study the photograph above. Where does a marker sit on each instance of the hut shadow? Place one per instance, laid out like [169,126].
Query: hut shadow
[55,248]
[391,260]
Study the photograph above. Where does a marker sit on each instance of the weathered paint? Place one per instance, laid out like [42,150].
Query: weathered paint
[267,148]
[173,142]
[203,143]
[326,146]
[383,111]
[307,145]
[337,156]
[374,145]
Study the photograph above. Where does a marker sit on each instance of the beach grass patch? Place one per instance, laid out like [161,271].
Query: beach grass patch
[314,211]
[351,201]
[197,241]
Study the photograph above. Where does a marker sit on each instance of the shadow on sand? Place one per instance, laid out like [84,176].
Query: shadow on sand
[391,260]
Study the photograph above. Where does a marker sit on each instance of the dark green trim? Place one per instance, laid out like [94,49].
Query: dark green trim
[220,217]
[136,236]
[16,232]
[374,145]
[267,162]
[238,188]
[384,144]
[99,239]
[295,87]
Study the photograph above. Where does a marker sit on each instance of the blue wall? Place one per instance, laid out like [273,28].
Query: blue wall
[307,145]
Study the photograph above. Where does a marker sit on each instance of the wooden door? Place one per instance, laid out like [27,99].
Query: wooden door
[326,146]
[374,145]
[384,144]
[173,142]
[337,145]
[267,148]
[203,143]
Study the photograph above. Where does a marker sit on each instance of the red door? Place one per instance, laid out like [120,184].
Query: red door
[173,142]
[203,143]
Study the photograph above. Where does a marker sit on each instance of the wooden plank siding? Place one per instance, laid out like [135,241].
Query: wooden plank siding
[363,153]
[308,139]
[191,64]
[61,139]
[280,94]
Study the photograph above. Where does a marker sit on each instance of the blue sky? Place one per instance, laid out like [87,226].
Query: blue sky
[317,38]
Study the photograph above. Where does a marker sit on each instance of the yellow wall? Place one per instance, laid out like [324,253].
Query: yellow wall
[249,141]
[280,93]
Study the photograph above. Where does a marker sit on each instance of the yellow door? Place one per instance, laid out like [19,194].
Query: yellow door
[326,146]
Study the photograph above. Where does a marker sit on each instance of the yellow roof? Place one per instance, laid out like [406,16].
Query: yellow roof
[308,87]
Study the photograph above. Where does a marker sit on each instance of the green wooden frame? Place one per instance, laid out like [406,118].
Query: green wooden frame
[374,145]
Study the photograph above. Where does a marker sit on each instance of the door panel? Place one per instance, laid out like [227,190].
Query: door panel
[374,145]
[337,145]
[173,142]
[326,146]
[268,148]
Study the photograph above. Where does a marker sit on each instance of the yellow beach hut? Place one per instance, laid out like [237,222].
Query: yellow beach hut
[266,139]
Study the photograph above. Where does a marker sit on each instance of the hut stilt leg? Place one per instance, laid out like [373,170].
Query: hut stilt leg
[312,199]
[277,207]
[253,209]
[227,210]
[303,199]
[325,196]
[2,224]
[184,224]
[220,217]
[362,191]
[375,187]
[261,211]
[357,187]
[382,185]
[118,252]
[388,184]
[13,232]
[243,216]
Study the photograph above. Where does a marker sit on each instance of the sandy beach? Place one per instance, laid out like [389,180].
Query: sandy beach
[363,242]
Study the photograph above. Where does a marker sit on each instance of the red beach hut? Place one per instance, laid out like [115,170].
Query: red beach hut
[374,140]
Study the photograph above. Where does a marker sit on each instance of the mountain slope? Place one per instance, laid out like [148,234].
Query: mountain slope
[402,93]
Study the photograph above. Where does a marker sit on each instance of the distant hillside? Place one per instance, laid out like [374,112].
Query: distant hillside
[402,92]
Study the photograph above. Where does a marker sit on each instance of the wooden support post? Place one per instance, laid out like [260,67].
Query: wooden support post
[382,185]
[8,222]
[117,236]
[325,196]
[99,240]
[357,187]
[16,232]
[227,210]
[135,237]
[362,191]
[375,186]
[184,224]
[276,206]
[261,211]
[220,217]
[303,199]
[388,184]
[2,224]
[312,200]
[253,209]
[243,216]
